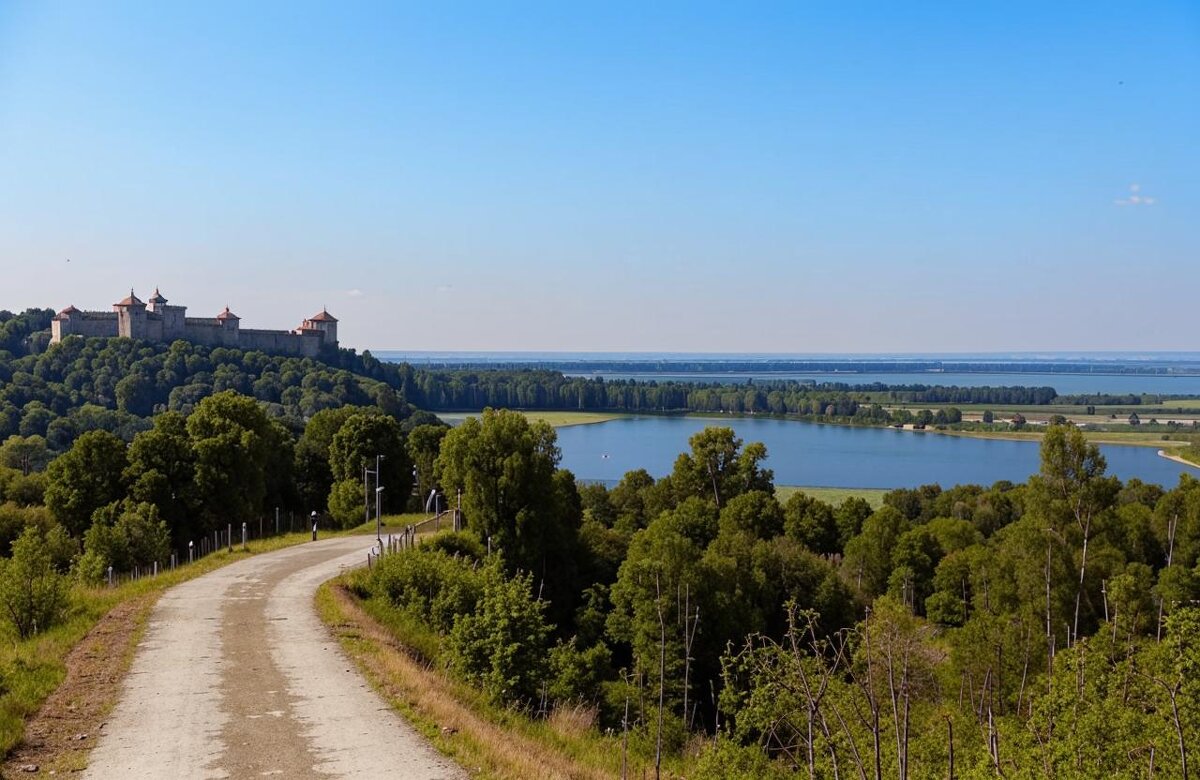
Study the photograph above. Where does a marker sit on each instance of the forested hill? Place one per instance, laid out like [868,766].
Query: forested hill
[60,391]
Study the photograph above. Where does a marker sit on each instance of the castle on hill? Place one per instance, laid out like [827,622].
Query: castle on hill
[155,320]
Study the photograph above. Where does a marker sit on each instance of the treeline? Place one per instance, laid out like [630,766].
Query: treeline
[130,504]
[1038,629]
[785,366]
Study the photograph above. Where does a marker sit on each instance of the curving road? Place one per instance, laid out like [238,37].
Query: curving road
[236,677]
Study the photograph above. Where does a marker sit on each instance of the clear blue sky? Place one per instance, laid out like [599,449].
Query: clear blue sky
[795,177]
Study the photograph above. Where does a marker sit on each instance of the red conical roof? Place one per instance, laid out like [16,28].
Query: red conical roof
[227,315]
[324,316]
[132,300]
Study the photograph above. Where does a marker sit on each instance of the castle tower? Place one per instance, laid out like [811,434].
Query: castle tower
[173,317]
[229,323]
[131,317]
[326,324]
[63,323]
[156,302]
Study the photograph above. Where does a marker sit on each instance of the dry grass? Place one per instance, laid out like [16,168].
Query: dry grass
[486,741]
[574,721]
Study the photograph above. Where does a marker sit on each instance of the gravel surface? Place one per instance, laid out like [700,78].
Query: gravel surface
[237,677]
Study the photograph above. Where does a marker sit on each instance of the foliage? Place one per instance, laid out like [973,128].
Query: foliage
[124,536]
[32,593]
[89,476]
[502,646]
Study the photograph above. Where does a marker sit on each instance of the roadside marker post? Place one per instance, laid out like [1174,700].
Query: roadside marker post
[243,536]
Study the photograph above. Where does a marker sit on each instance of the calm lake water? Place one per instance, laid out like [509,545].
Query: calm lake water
[1064,384]
[834,456]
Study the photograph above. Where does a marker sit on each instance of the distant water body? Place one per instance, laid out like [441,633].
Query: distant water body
[1175,373]
[834,456]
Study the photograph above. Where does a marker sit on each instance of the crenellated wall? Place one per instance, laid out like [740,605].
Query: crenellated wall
[160,322]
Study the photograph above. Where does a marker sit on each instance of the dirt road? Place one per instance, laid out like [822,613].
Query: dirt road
[237,677]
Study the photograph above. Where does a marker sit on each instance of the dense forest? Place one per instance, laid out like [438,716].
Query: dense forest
[1041,629]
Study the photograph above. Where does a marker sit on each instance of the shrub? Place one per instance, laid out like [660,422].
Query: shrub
[502,647]
[461,543]
[346,503]
[576,675]
[135,536]
[33,594]
[429,584]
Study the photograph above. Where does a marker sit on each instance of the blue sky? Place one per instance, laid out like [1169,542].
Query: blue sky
[792,177]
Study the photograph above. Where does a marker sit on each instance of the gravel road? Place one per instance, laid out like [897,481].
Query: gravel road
[237,677]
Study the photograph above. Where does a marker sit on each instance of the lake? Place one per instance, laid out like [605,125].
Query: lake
[834,456]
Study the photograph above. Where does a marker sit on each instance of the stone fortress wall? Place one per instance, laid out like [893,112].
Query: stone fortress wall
[157,321]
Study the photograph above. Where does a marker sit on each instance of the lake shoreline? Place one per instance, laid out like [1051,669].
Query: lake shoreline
[1178,459]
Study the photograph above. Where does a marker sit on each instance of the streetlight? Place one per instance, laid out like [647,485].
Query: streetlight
[378,532]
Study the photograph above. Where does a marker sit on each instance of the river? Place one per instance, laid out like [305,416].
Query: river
[816,455]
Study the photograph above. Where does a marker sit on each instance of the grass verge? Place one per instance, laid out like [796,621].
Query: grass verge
[488,741]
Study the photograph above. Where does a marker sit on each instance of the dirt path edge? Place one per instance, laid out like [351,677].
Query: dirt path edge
[63,731]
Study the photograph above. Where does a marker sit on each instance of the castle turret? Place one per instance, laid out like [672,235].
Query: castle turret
[324,323]
[62,324]
[229,323]
[157,301]
[131,317]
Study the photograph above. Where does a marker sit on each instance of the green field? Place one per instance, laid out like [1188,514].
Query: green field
[831,495]
[567,419]
[1132,439]
[557,419]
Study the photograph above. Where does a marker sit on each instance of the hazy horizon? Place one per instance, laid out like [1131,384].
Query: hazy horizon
[994,177]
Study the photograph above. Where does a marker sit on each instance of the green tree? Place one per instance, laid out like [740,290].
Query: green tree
[33,594]
[231,437]
[313,472]
[505,466]
[26,454]
[357,443]
[162,472]
[812,523]
[719,468]
[424,444]
[1072,494]
[85,478]
[868,560]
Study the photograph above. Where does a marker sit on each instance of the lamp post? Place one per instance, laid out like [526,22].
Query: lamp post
[366,473]
[378,531]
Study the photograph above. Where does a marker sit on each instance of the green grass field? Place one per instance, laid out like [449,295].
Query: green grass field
[1132,438]
[557,419]
[831,495]
[566,419]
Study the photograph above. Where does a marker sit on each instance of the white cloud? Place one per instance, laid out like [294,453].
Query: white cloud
[355,293]
[1135,198]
